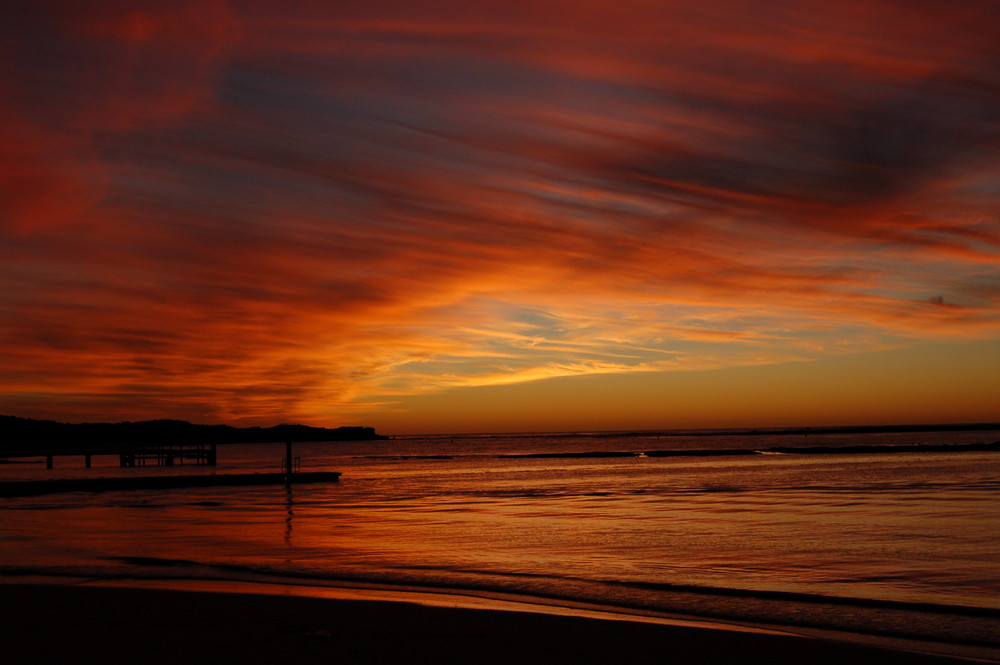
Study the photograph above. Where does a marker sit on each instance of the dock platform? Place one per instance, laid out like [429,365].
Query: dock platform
[39,487]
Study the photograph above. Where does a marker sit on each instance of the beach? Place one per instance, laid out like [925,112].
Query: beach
[430,535]
[45,624]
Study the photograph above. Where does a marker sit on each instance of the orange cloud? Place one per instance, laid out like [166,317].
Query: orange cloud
[226,212]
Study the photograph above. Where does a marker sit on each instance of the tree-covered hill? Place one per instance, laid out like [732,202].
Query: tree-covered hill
[27,433]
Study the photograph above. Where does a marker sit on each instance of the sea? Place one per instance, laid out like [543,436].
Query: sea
[811,536]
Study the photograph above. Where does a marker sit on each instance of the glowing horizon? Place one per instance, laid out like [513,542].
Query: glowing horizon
[502,216]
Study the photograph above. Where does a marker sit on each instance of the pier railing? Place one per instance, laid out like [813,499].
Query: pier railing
[135,454]
[169,455]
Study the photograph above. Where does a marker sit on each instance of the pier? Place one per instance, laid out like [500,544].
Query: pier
[200,454]
[38,487]
[165,455]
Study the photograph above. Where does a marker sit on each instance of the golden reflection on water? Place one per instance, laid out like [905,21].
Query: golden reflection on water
[905,527]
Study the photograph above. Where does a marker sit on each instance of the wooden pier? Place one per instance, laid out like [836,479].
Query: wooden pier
[200,454]
[169,455]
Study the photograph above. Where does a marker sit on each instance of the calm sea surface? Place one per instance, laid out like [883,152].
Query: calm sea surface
[896,544]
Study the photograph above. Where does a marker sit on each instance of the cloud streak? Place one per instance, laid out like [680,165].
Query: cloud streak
[224,211]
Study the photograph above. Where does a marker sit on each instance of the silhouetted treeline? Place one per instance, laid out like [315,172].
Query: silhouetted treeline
[27,433]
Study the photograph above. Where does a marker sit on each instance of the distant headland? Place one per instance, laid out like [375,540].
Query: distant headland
[26,433]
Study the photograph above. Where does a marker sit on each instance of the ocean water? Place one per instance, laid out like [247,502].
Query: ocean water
[902,544]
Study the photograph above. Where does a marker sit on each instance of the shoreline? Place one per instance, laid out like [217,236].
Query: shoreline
[568,632]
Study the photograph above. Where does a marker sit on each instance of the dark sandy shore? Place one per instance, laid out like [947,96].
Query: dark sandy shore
[67,624]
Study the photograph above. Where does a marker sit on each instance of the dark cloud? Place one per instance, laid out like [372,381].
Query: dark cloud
[306,208]
[823,160]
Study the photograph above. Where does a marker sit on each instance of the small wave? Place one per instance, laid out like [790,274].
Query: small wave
[153,561]
[825,599]
[400,458]
[776,450]
[704,590]
[570,455]
[975,626]
[718,487]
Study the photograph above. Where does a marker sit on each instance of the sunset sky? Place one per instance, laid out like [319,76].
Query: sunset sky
[437,216]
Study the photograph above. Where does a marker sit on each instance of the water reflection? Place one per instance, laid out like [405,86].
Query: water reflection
[289,513]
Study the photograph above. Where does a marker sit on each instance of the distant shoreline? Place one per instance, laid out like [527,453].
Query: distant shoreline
[774,450]
[847,429]
[27,436]
[22,436]
[707,432]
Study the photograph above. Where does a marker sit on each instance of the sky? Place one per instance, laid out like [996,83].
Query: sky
[501,215]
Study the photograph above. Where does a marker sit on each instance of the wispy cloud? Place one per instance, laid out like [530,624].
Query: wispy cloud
[227,210]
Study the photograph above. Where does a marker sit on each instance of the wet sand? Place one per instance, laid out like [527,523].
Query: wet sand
[69,624]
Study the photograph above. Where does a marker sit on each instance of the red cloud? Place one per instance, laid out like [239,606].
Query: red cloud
[286,211]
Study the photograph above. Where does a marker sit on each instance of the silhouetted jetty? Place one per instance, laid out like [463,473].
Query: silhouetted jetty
[37,487]
[200,454]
